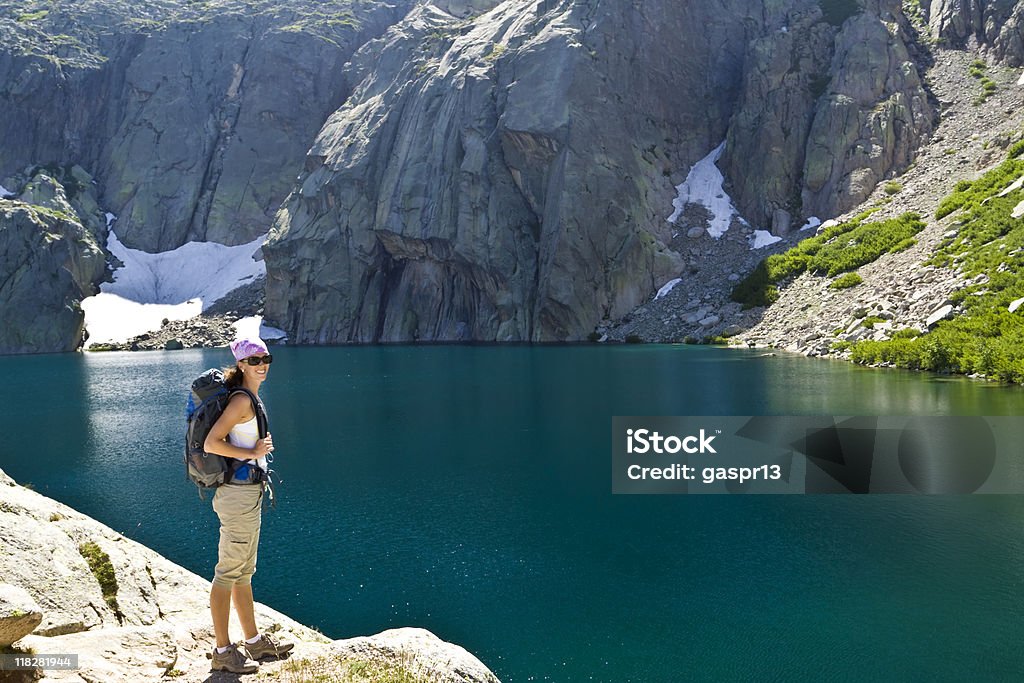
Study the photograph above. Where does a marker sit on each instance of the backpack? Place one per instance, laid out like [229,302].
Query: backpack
[207,400]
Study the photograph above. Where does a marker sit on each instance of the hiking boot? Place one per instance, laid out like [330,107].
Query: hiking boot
[233,660]
[267,646]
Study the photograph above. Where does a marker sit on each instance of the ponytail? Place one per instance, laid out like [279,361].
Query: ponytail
[232,377]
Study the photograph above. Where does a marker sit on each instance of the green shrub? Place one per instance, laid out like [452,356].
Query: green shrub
[633,339]
[755,289]
[1016,149]
[892,187]
[32,16]
[103,570]
[902,245]
[970,195]
[864,244]
[837,249]
[869,322]
[906,333]
[497,50]
[846,281]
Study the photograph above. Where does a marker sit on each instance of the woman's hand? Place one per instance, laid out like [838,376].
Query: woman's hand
[263,446]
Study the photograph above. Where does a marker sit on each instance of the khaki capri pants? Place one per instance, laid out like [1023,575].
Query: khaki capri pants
[238,506]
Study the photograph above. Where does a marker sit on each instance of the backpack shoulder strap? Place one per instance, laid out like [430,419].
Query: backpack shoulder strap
[257,406]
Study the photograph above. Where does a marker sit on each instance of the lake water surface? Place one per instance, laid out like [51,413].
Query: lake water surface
[467,490]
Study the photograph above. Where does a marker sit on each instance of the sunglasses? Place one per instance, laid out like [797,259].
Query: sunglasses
[256,360]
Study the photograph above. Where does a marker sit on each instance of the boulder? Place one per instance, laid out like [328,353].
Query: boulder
[781,222]
[51,258]
[942,313]
[445,662]
[117,654]
[19,614]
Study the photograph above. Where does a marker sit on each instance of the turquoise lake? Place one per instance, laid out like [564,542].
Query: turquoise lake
[467,490]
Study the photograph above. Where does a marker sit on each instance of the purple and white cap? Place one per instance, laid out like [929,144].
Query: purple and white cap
[243,348]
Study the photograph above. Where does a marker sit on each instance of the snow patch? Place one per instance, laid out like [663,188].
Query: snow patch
[253,327]
[703,185]
[176,285]
[812,222]
[667,287]
[763,238]
[110,218]
[112,318]
[5,193]
[1020,81]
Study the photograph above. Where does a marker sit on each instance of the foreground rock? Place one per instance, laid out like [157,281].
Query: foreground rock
[19,614]
[415,652]
[155,621]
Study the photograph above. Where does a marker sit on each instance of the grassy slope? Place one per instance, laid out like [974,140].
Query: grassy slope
[834,251]
[986,338]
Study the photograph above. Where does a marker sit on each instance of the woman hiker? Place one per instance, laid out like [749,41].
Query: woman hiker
[238,504]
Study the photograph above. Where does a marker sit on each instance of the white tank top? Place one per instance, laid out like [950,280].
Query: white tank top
[245,435]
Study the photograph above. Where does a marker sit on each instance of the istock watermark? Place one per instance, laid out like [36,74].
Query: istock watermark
[818,454]
[645,440]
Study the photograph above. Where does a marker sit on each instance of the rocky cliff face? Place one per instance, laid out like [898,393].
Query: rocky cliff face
[51,232]
[994,25]
[492,170]
[831,105]
[194,117]
[507,178]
